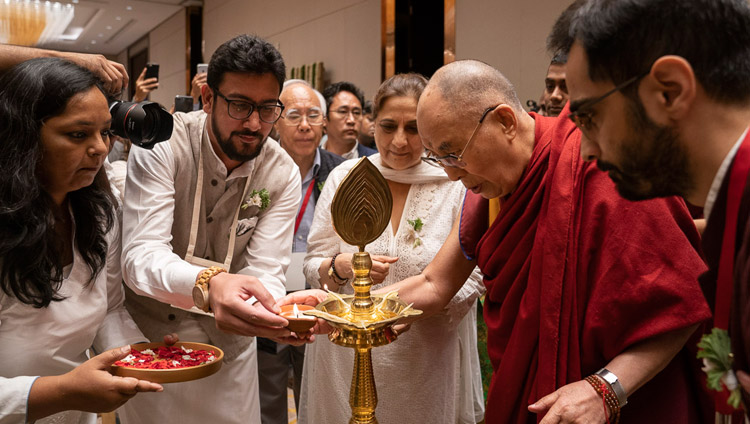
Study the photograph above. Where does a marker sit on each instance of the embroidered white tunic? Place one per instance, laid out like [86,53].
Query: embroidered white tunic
[418,375]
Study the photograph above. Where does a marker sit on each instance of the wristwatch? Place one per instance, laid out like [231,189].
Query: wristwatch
[200,290]
[614,383]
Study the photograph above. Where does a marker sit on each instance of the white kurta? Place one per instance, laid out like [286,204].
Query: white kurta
[417,376]
[153,269]
[54,340]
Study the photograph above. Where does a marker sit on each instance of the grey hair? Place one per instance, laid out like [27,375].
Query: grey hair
[321,99]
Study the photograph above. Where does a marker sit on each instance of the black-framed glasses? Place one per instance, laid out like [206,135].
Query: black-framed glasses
[450,160]
[241,109]
[583,119]
[294,117]
[344,112]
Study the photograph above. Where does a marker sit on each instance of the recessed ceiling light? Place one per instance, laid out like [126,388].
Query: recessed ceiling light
[93,41]
[100,35]
[118,18]
[109,27]
[128,7]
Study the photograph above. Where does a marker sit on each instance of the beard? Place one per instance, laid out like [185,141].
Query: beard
[653,164]
[230,150]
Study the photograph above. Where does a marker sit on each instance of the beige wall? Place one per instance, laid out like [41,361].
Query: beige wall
[167,47]
[343,34]
[509,35]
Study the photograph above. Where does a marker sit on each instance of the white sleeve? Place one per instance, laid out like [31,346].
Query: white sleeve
[464,299]
[149,266]
[268,253]
[322,241]
[118,327]
[14,399]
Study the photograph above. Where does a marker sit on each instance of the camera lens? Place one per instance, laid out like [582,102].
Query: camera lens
[144,124]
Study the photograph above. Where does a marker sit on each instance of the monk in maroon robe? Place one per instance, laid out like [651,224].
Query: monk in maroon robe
[578,278]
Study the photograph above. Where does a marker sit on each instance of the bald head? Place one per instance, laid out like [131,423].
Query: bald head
[469,86]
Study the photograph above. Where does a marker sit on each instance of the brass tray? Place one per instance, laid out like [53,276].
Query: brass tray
[174,375]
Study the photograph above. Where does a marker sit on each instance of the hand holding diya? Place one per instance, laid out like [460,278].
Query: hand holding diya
[298,322]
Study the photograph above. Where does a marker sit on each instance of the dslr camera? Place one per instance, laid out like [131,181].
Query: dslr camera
[144,123]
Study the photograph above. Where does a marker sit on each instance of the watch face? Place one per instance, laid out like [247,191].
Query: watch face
[199,298]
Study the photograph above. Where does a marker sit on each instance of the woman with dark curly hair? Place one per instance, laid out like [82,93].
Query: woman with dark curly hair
[60,281]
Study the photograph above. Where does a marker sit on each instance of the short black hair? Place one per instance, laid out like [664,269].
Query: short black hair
[332,90]
[561,58]
[248,54]
[623,38]
[559,39]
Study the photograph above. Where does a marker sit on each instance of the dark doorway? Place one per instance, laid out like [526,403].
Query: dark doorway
[137,63]
[419,39]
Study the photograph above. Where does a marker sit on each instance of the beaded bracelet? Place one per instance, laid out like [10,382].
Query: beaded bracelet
[336,277]
[609,399]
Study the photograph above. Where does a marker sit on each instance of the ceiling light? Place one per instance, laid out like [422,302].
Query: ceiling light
[128,7]
[26,23]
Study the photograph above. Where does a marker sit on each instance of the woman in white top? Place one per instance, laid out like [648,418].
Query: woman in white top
[60,282]
[418,377]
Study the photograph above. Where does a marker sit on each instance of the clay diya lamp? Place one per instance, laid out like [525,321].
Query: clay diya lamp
[298,322]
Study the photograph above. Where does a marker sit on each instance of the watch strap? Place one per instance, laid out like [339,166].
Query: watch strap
[611,379]
[202,283]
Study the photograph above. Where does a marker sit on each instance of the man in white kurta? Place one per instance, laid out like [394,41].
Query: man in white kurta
[217,161]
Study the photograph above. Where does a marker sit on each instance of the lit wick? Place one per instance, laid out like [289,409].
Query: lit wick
[296,311]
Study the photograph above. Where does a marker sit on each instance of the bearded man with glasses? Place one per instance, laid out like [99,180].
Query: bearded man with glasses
[587,293]
[661,92]
[208,222]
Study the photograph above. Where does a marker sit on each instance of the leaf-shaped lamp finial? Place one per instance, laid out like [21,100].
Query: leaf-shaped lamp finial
[361,207]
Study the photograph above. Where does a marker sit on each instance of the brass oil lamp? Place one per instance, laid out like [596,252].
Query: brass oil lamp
[361,209]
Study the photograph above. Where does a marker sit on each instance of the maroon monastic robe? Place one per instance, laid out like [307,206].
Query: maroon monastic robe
[739,324]
[575,275]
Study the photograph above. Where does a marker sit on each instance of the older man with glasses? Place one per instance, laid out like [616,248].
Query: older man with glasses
[590,297]
[300,129]
[207,230]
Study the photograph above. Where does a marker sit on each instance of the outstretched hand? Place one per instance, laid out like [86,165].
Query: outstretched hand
[311,298]
[89,387]
[573,403]
[112,74]
[144,86]
[228,297]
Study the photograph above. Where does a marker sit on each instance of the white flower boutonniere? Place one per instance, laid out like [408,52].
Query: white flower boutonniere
[261,199]
[415,231]
[715,350]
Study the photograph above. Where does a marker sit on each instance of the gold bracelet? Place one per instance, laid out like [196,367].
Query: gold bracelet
[200,291]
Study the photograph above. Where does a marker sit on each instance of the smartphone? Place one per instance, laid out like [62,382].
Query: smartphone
[183,104]
[152,71]
[202,68]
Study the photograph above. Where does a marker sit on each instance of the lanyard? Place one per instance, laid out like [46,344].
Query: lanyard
[725,279]
[304,205]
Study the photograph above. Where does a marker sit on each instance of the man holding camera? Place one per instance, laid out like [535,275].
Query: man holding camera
[208,220]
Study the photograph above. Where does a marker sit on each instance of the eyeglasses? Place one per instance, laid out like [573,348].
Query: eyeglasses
[451,160]
[582,120]
[293,117]
[343,112]
[240,109]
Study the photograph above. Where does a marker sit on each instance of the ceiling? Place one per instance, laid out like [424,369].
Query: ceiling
[110,26]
